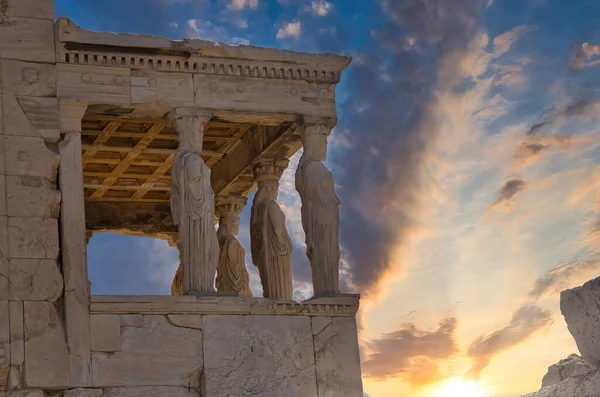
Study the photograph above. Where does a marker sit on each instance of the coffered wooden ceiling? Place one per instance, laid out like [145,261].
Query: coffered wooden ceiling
[127,165]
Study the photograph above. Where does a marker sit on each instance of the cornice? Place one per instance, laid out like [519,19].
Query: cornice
[122,50]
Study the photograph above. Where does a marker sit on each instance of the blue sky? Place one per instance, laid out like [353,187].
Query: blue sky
[466,160]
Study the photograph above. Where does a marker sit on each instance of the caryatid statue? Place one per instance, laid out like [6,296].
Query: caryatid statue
[192,203]
[270,242]
[232,275]
[320,211]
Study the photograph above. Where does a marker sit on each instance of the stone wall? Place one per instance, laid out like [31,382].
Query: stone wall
[33,350]
[163,347]
[226,346]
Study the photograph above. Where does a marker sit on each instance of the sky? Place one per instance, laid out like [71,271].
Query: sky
[466,159]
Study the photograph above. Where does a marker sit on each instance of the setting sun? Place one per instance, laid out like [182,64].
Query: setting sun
[461,388]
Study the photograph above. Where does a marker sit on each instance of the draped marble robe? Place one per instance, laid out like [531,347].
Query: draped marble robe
[192,207]
[271,249]
[232,275]
[321,224]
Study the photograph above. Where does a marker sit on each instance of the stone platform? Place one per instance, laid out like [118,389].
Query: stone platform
[224,346]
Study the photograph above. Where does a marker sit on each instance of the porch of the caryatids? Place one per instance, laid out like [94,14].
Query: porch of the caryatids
[192,203]
[232,275]
[320,210]
[270,242]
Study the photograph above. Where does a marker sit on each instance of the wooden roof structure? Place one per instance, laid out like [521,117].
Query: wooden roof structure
[127,165]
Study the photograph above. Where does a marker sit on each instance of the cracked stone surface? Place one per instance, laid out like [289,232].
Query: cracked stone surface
[267,356]
[567,368]
[156,354]
[579,386]
[46,355]
[35,280]
[337,357]
[580,308]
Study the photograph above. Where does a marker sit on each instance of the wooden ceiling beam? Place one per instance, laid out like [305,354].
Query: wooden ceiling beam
[149,184]
[92,149]
[130,158]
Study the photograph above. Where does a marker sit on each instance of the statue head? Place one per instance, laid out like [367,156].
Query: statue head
[230,223]
[267,173]
[191,141]
[228,211]
[189,124]
[268,189]
[314,141]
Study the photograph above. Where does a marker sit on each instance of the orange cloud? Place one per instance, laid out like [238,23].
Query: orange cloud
[525,322]
[411,353]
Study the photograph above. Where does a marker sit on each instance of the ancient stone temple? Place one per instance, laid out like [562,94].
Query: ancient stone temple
[145,136]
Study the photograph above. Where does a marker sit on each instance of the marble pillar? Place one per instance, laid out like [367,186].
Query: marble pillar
[270,242]
[320,210]
[192,203]
[232,275]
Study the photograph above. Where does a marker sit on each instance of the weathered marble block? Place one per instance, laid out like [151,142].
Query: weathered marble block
[4,343]
[96,84]
[267,356]
[337,357]
[17,344]
[175,89]
[158,353]
[27,39]
[33,238]
[581,310]
[28,78]
[3,237]
[29,8]
[30,116]
[4,285]
[32,196]
[46,355]
[31,157]
[35,280]
[105,333]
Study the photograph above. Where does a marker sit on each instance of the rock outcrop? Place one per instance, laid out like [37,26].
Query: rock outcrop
[567,368]
[577,376]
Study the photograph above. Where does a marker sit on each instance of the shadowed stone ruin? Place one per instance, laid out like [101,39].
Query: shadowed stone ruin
[145,136]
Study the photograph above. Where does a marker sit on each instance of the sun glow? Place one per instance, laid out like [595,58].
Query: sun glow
[461,388]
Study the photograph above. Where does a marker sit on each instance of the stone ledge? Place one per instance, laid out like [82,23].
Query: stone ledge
[342,306]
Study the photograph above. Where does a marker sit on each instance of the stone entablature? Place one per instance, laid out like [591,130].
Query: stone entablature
[343,306]
[82,47]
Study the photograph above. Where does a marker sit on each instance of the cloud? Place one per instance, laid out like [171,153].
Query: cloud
[586,56]
[237,5]
[206,30]
[580,108]
[562,276]
[395,134]
[411,353]
[320,7]
[504,41]
[290,30]
[525,322]
[507,192]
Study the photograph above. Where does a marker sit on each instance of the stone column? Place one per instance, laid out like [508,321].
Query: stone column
[74,243]
[320,210]
[270,242]
[232,275]
[192,203]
